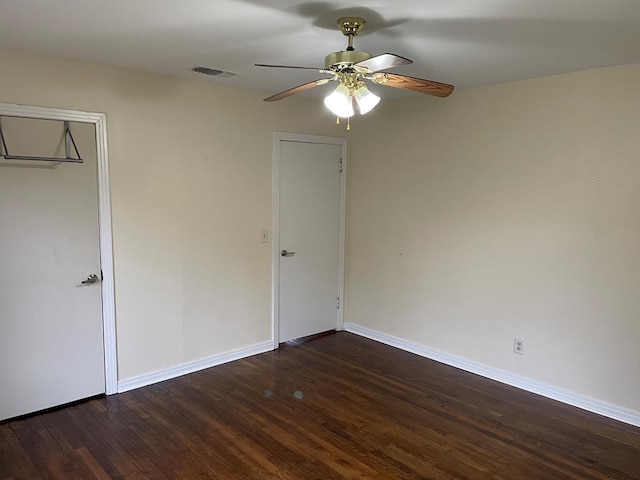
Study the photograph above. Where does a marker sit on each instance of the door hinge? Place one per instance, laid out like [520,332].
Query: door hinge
[340,165]
[337,302]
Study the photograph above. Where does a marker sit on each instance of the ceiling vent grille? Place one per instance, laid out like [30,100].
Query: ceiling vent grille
[214,72]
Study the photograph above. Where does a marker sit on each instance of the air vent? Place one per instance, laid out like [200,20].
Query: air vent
[214,72]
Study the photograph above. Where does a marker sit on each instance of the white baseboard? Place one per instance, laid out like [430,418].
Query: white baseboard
[586,403]
[190,367]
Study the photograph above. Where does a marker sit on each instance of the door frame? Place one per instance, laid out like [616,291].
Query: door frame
[99,120]
[279,137]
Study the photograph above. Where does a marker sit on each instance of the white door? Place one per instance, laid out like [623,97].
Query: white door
[309,237]
[51,338]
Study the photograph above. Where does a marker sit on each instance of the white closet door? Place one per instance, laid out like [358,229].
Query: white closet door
[309,231]
[51,345]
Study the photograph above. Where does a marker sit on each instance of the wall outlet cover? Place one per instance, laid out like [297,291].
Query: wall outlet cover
[518,346]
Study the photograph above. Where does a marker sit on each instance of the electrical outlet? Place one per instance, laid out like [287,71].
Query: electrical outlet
[518,346]
[264,236]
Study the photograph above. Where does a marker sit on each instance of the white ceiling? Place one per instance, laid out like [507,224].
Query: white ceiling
[463,42]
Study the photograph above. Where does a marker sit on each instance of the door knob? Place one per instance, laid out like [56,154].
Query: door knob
[284,253]
[93,278]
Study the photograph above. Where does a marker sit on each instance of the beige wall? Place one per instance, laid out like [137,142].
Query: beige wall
[504,211]
[501,212]
[191,191]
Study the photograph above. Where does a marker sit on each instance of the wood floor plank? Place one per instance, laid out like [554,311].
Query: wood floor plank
[14,459]
[337,407]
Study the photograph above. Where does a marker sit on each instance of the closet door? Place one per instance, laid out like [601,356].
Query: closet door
[309,237]
[51,345]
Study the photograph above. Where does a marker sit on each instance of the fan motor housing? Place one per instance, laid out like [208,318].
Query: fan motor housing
[345,57]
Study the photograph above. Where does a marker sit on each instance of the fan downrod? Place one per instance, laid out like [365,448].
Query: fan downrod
[350,27]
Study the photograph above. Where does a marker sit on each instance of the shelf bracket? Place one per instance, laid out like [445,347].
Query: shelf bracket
[68,143]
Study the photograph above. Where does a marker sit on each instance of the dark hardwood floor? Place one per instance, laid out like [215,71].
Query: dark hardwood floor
[338,407]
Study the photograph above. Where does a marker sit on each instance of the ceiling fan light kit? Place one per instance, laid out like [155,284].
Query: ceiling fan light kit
[351,68]
[340,102]
[351,97]
[364,99]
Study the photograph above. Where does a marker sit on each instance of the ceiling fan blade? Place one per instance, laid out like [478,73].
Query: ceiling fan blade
[384,61]
[317,69]
[419,85]
[298,89]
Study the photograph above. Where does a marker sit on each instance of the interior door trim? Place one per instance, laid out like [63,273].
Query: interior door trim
[104,221]
[279,137]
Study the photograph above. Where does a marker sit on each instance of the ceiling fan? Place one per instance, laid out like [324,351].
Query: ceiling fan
[351,68]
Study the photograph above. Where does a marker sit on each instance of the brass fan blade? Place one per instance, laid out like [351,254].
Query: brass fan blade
[317,69]
[298,89]
[384,61]
[419,85]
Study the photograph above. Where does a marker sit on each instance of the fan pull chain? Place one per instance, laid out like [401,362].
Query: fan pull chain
[348,122]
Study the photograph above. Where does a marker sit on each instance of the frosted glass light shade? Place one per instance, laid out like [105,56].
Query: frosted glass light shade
[365,99]
[340,102]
